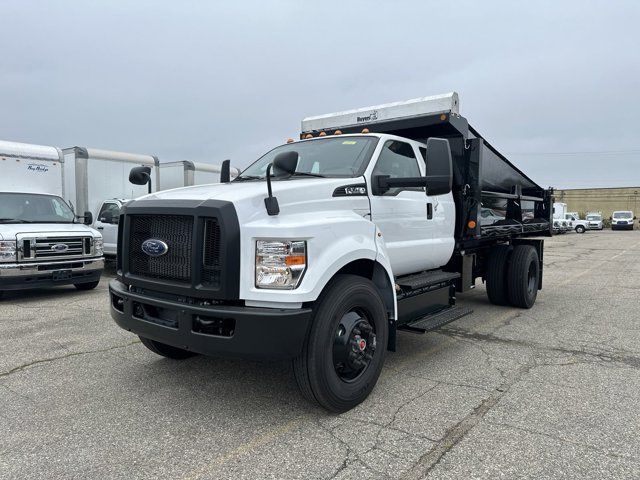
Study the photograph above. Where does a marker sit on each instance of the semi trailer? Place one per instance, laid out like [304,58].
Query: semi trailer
[326,248]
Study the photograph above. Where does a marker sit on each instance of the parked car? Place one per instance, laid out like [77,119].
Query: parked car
[622,220]
[594,221]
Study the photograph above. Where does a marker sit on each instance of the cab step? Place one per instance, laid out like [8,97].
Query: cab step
[436,320]
[426,279]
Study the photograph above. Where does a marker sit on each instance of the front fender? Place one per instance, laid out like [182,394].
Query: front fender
[333,240]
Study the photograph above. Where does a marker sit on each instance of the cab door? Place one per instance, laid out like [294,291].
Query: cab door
[403,215]
[107,224]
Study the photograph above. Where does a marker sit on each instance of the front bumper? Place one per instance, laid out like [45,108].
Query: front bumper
[622,226]
[243,331]
[20,276]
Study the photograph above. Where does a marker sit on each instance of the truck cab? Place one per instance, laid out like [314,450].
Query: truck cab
[106,222]
[574,221]
[43,244]
[325,248]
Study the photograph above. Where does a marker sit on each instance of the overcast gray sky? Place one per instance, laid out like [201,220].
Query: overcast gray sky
[547,83]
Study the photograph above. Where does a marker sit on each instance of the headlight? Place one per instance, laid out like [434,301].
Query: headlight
[98,246]
[280,264]
[7,251]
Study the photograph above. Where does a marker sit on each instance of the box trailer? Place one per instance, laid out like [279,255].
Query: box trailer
[31,168]
[185,173]
[92,175]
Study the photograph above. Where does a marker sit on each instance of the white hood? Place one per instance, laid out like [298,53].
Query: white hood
[296,195]
[8,231]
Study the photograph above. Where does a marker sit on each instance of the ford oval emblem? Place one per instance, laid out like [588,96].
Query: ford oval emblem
[154,247]
[60,247]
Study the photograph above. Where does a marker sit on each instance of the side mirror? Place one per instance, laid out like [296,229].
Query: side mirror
[107,217]
[140,175]
[225,172]
[439,166]
[88,218]
[285,164]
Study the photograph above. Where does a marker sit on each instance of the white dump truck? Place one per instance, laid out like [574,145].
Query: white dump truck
[326,248]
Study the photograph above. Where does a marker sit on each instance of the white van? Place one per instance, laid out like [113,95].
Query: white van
[622,220]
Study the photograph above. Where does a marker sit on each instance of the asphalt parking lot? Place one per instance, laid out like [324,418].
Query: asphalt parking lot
[551,392]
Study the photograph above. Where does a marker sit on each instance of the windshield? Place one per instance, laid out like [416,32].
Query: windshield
[33,208]
[594,218]
[326,157]
[622,215]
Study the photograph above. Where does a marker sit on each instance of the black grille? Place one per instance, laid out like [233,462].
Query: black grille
[177,232]
[211,264]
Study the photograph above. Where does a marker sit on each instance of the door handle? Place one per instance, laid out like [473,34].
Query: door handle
[429,211]
[100,228]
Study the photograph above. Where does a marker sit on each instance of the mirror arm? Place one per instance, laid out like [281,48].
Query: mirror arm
[271,202]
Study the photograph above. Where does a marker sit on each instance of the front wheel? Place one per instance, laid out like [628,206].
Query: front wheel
[344,352]
[580,229]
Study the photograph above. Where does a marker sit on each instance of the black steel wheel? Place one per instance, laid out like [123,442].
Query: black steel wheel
[166,350]
[344,352]
[523,276]
[496,276]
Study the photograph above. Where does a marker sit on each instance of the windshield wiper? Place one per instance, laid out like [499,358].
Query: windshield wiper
[247,177]
[17,220]
[307,174]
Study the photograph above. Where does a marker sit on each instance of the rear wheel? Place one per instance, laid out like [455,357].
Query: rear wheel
[86,286]
[580,229]
[166,350]
[344,352]
[497,287]
[523,276]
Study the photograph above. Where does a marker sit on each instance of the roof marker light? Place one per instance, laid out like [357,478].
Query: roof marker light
[308,135]
[289,140]
[322,134]
[338,132]
[365,130]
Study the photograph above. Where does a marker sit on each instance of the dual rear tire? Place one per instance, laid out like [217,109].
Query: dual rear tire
[513,275]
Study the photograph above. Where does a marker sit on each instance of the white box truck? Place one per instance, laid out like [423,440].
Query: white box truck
[98,181]
[325,249]
[41,241]
[185,173]
[31,168]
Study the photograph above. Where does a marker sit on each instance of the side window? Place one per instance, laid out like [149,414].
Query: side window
[398,160]
[110,212]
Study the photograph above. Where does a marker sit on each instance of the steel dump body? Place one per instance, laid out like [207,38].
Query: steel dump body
[494,199]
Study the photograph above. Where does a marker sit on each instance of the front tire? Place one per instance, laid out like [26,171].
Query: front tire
[580,229]
[165,350]
[86,286]
[523,276]
[344,351]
